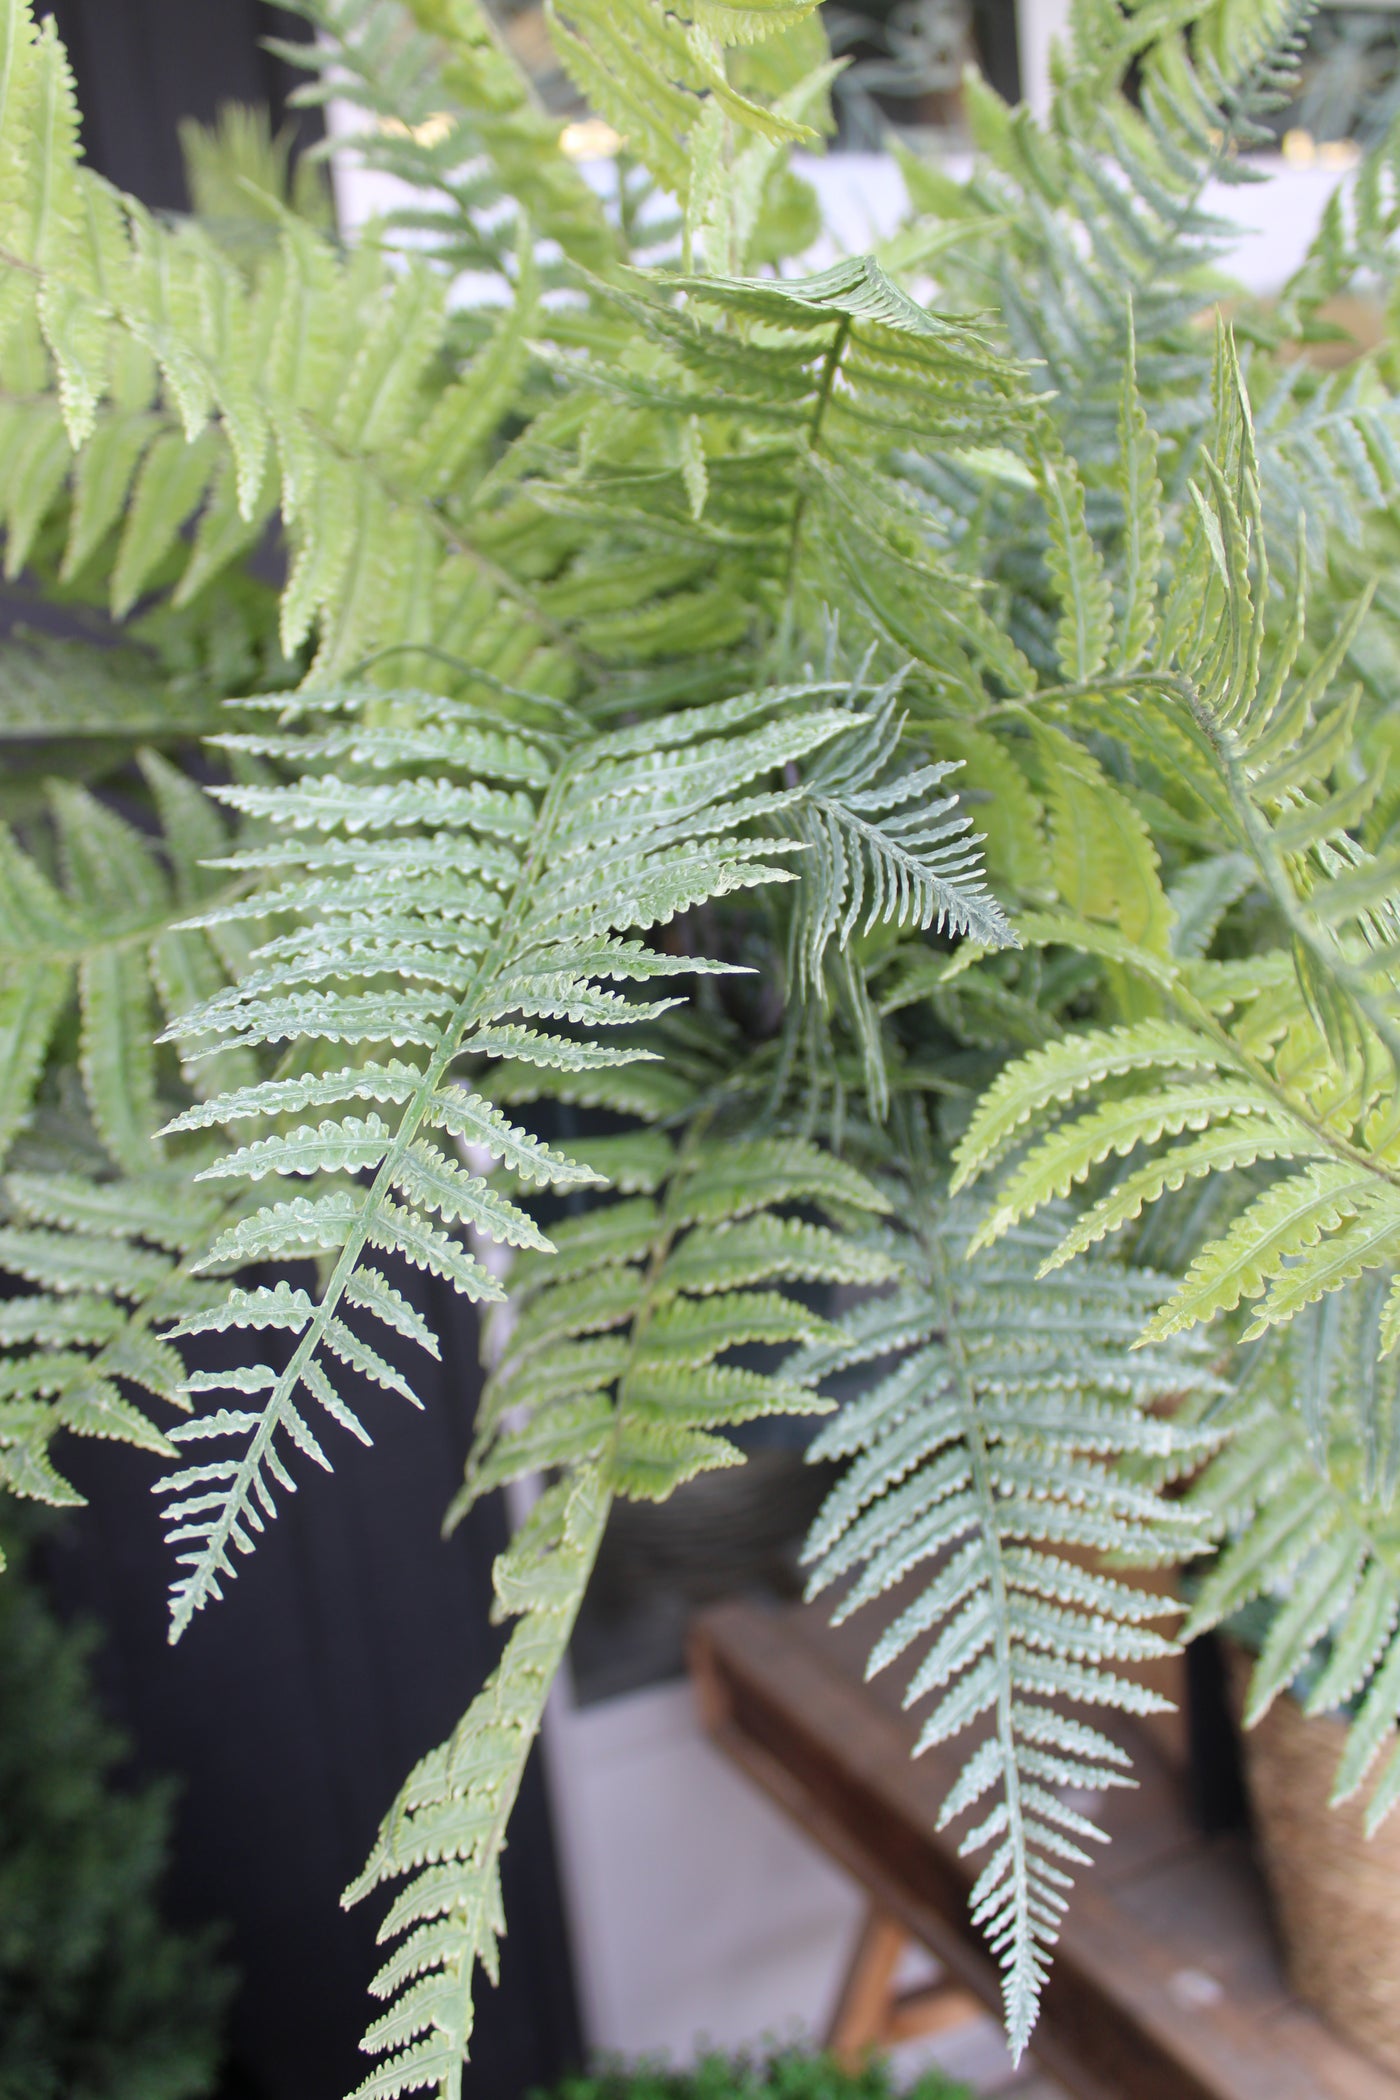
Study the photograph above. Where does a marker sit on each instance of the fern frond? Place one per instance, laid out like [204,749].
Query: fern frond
[570,848]
[1077,568]
[445,95]
[830,374]
[662,82]
[1064,1070]
[107,1266]
[1102,854]
[346,423]
[109,936]
[1306,1488]
[883,847]
[989,1445]
[611,1378]
[447,1827]
[1305,1049]
[1143,535]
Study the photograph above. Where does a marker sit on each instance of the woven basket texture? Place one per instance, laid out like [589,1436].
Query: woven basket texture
[1336,1891]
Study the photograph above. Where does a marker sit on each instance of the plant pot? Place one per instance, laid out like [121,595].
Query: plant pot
[1336,1892]
[733,1532]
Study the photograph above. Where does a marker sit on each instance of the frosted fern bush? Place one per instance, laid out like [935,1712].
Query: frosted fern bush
[749,791]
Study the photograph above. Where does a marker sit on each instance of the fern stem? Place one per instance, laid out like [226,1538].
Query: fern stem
[976,1446]
[468,670]
[835,352]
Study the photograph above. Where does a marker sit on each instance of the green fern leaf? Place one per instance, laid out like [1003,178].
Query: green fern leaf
[633,1412]
[953,1477]
[1286,1220]
[619,786]
[1066,1069]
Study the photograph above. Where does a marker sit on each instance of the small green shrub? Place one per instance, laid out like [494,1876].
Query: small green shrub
[787,2074]
[99,1999]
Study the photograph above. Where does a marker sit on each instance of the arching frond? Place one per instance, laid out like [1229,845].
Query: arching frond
[443,917]
[1293,1066]
[613,1380]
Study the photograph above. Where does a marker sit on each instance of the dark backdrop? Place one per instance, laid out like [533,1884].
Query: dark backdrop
[355,1636]
[292,1710]
[141,65]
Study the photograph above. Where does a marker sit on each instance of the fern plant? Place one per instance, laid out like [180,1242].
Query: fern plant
[862,730]
[985,1451]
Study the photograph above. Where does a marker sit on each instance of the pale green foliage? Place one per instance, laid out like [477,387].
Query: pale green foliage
[826,375]
[1287,1058]
[884,847]
[198,395]
[450,113]
[1306,1490]
[59,695]
[531,859]
[601,750]
[981,1471]
[1263,1081]
[109,931]
[241,177]
[609,1382]
[104,1260]
[447,1826]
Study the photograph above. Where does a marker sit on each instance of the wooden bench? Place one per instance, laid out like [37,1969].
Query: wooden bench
[1166,1983]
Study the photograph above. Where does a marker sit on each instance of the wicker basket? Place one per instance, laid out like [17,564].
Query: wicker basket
[1336,1891]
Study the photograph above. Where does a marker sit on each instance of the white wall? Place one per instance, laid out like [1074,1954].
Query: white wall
[700,1915]
[1038,24]
[863,197]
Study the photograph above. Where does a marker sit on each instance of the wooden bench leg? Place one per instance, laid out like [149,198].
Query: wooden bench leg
[870,2014]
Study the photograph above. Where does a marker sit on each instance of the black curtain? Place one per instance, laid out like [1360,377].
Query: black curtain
[141,65]
[355,1636]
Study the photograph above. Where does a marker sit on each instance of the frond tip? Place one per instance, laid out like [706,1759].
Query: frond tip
[611,1381]
[884,846]
[1012,1442]
[447,1827]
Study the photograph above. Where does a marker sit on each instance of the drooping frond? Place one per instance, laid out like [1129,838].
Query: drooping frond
[983,1465]
[613,1380]
[439,914]
[447,1826]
